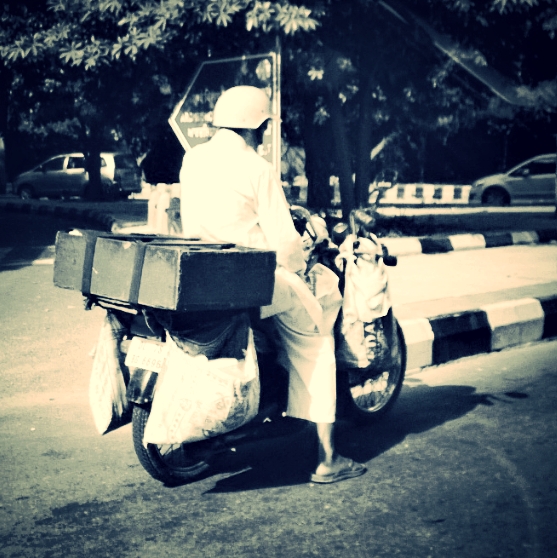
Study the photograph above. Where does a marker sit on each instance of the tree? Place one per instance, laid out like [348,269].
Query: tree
[398,81]
[497,52]
[372,70]
[102,52]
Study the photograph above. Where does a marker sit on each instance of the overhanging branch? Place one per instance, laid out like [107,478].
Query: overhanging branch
[505,89]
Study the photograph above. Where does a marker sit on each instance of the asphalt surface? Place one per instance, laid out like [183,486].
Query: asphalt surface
[463,467]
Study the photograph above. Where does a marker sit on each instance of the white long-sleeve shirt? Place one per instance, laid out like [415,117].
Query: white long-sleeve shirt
[231,194]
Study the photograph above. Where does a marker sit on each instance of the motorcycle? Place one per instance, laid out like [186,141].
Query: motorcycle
[363,395]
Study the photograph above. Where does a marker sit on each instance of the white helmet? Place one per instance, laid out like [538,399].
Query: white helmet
[243,106]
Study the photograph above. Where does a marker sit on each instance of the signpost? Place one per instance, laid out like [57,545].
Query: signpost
[192,117]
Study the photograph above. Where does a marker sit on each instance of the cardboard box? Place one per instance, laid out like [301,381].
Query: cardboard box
[193,277]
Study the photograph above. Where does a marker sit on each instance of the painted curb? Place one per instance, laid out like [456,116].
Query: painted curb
[402,246]
[442,244]
[441,339]
[431,194]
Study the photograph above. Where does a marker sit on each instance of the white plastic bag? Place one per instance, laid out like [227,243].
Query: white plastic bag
[197,398]
[107,385]
[361,338]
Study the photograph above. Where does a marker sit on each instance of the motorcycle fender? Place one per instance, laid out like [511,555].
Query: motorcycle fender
[142,386]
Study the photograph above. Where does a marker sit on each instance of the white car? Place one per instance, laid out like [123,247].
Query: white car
[533,181]
[65,175]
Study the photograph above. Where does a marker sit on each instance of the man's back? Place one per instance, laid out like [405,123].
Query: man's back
[231,194]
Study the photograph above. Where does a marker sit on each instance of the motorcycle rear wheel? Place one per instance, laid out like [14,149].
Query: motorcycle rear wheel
[166,463]
[375,393]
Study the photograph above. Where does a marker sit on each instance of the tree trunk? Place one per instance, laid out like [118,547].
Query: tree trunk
[363,149]
[342,155]
[5,81]
[422,155]
[506,137]
[93,190]
[317,144]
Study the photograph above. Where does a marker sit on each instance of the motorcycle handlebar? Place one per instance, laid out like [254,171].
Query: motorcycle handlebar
[363,219]
[391,261]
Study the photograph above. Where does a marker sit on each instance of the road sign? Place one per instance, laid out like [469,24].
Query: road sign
[192,117]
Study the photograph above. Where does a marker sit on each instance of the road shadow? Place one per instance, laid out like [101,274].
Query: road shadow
[25,256]
[26,238]
[289,460]
[27,230]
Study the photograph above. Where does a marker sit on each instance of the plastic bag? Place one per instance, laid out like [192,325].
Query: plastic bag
[361,339]
[109,377]
[197,398]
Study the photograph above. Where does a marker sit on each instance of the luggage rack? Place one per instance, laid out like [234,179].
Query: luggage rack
[92,300]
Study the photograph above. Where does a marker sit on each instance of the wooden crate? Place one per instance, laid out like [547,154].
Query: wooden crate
[74,255]
[164,272]
[193,277]
[73,260]
[117,265]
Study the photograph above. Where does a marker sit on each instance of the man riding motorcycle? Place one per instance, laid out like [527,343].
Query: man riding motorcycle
[231,194]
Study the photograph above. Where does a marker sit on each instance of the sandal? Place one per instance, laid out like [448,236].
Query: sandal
[351,470]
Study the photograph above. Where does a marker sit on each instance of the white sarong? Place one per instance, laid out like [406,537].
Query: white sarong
[305,322]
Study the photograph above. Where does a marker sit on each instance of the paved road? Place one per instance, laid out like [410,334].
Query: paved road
[465,467]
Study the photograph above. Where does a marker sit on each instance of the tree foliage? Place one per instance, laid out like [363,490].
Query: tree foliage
[381,75]
[89,33]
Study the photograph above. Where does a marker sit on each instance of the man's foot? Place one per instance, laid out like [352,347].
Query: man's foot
[340,470]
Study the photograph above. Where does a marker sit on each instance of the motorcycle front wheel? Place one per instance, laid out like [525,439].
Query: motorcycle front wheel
[374,393]
[167,463]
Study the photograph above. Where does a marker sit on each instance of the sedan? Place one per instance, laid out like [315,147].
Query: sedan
[533,181]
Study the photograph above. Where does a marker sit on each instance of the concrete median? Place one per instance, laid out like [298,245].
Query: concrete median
[440,339]
[439,244]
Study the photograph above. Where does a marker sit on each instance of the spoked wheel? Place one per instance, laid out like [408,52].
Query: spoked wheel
[166,463]
[367,395]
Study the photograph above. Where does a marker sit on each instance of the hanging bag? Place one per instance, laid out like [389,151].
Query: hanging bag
[197,398]
[362,341]
[109,377]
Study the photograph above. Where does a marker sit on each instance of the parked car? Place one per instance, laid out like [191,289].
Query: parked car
[65,175]
[533,181]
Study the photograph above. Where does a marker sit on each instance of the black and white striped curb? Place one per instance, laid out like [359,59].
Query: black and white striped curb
[440,339]
[426,194]
[87,215]
[401,246]
[406,246]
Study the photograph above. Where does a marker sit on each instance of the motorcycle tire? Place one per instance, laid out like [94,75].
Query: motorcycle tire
[375,393]
[167,463]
